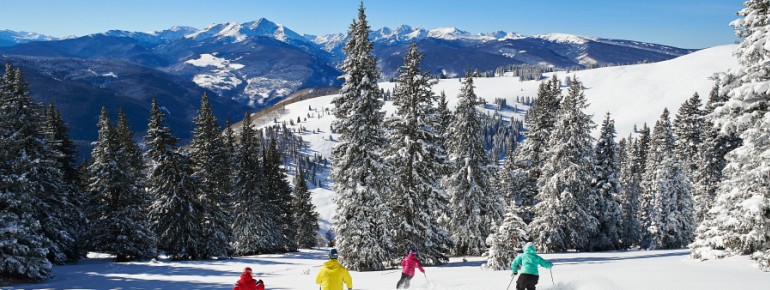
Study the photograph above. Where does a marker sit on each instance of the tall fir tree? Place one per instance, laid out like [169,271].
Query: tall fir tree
[475,206]
[417,157]
[36,161]
[304,213]
[540,122]
[688,132]
[116,212]
[364,239]
[506,239]
[64,153]
[23,242]
[667,213]
[712,158]
[252,230]
[176,215]
[608,190]
[279,196]
[564,215]
[631,182]
[209,161]
[739,222]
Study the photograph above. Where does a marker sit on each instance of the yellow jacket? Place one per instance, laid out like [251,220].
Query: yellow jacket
[332,275]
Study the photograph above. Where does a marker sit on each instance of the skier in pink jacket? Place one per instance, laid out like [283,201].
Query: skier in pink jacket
[409,263]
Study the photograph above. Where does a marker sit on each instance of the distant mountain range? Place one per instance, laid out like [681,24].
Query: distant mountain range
[256,64]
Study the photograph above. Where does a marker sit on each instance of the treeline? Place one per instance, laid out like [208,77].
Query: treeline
[222,195]
[560,188]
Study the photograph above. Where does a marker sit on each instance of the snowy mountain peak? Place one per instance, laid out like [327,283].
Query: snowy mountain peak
[399,34]
[10,37]
[449,33]
[565,38]
[240,32]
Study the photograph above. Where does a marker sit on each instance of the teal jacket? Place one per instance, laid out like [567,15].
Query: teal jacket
[529,262]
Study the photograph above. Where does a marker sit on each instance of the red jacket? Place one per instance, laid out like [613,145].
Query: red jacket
[248,283]
[409,263]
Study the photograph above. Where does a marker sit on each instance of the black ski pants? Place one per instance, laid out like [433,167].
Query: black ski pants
[403,283]
[526,281]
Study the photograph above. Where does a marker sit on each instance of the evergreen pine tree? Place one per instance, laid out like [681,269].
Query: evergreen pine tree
[251,228]
[176,215]
[279,199]
[444,116]
[631,181]
[474,204]
[688,132]
[506,240]
[666,211]
[23,243]
[608,190]
[116,211]
[564,216]
[209,161]
[540,121]
[739,222]
[712,159]
[363,237]
[303,209]
[417,157]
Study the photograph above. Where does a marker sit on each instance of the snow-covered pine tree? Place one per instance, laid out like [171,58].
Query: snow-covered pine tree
[688,131]
[229,169]
[529,156]
[363,237]
[64,153]
[608,190]
[712,159]
[35,169]
[667,210]
[564,215]
[176,215]
[506,240]
[116,208]
[643,147]
[278,192]
[631,182]
[444,118]
[23,243]
[474,204]
[416,157]
[252,231]
[739,222]
[209,160]
[303,210]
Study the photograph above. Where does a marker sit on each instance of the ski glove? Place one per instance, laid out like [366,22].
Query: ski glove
[514,274]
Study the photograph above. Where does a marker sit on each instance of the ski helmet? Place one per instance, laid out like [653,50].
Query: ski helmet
[333,254]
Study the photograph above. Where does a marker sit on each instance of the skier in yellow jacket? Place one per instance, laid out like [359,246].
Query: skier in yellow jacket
[332,274]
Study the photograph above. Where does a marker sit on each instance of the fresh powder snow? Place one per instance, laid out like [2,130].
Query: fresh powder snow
[625,270]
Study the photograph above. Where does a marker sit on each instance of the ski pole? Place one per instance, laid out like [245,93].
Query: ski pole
[509,283]
[551,270]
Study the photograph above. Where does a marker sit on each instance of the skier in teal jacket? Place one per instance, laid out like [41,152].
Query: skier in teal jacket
[529,261]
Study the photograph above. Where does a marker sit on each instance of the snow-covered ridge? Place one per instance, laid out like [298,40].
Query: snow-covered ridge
[565,38]
[240,32]
[24,36]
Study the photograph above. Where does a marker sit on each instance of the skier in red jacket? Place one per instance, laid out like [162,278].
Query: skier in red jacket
[409,263]
[247,282]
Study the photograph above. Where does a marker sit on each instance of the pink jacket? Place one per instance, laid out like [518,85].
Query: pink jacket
[409,263]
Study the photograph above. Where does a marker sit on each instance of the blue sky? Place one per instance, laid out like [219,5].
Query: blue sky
[682,23]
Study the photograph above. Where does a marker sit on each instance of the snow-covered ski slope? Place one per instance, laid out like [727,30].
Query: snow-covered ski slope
[632,270]
[633,94]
